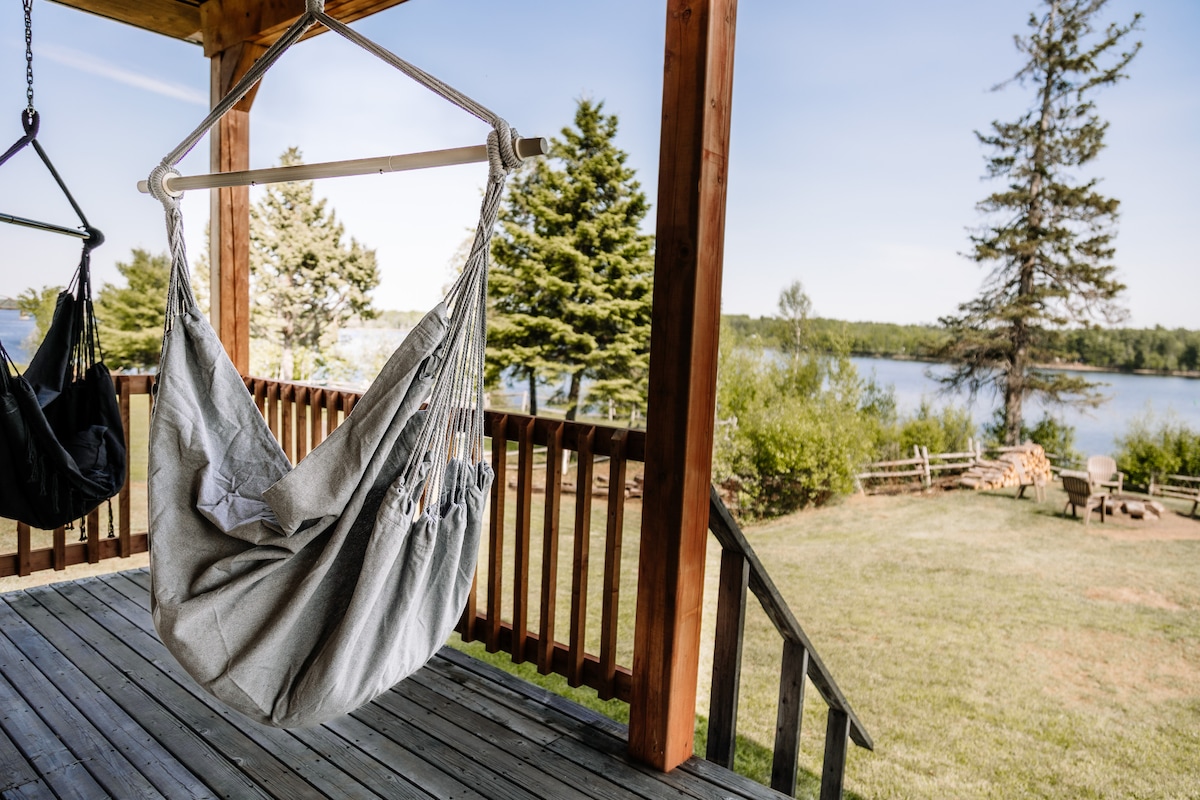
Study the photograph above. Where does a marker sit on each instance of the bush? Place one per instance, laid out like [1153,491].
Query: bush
[1151,447]
[1055,437]
[790,431]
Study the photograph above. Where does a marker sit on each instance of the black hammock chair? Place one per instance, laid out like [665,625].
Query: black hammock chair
[62,445]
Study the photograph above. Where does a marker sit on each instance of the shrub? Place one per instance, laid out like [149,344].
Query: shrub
[1152,447]
[790,430]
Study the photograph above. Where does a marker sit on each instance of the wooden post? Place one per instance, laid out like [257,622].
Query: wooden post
[229,215]
[697,91]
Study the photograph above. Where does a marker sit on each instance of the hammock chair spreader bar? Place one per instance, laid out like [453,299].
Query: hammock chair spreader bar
[50,227]
[475,154]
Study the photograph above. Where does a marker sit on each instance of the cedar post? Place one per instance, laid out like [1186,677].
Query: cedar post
[697,92]
[231,54]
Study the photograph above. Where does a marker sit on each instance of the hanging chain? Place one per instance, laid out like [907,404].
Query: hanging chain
[28,55]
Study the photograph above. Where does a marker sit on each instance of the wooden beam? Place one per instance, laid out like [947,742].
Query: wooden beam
[229,22]
[697,92]
[178,19]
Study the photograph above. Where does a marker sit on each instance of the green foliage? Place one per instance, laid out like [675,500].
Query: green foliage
[306,281]
[1117,349]
[948,430]
[1048,236]
[1158,447]
[131,316]
[1056,437]
[571,283]
[39,304]
[789,431]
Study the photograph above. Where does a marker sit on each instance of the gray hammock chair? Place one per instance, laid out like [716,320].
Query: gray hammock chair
[295,595]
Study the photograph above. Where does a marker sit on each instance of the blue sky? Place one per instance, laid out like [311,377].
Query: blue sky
[853,166]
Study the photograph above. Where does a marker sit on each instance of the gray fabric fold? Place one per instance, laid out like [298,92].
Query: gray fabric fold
[296,595]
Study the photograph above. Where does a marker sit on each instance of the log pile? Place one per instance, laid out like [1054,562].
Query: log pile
[1023,464]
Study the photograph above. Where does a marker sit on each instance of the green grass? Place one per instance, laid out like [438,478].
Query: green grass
[991,647]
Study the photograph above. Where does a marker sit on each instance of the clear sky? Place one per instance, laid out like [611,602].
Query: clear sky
[853,168]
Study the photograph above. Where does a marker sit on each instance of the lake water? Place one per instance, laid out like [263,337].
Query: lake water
[13,332]
[1095,430]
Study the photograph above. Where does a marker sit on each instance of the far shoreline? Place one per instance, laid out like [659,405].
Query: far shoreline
[1066,366]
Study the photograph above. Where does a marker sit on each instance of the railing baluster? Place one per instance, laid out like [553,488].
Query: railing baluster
[316,399]
[93,536]
[495,581]
[24,567]
[727,658]
[274,391]
[788,717]
[287,404]
[333,403]
[553,508]
[521,543]
[582,555]
[60,548]
[612,566]
[125,498]
[833,773]
[301,406]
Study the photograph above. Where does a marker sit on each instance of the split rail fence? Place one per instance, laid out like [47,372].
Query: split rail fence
[922,469]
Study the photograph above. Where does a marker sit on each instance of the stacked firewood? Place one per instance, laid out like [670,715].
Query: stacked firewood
[1014,466]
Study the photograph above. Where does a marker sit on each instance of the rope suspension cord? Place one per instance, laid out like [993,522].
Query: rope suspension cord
[454,423]
[30,123]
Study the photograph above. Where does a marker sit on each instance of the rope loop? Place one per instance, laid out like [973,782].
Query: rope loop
[314,6]
[506,139]
[157,186]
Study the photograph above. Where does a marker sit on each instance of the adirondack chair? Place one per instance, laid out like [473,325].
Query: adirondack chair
[1081,495]
[1101,471]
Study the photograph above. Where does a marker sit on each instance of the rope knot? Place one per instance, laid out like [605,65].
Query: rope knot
[502,147]
[156,183]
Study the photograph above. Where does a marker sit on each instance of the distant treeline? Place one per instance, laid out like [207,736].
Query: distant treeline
[1119,349]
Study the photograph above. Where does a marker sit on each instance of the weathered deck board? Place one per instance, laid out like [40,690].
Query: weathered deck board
[93,706]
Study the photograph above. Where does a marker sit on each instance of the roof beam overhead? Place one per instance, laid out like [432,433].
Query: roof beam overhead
[175,18]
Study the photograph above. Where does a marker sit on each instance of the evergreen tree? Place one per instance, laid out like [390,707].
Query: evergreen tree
[39,304]
[572,279]
[131,317]
[1048,241]
[304,279]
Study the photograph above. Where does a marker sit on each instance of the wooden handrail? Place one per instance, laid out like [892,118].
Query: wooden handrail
[741,569]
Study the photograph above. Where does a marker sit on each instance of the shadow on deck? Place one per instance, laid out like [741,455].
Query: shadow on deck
[94,706]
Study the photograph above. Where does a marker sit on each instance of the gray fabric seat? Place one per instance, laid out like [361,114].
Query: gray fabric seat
[296,595]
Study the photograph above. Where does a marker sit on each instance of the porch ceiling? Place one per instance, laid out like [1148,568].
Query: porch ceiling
[261,20]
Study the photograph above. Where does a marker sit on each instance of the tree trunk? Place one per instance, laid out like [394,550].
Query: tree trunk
[1014,389]
[287,363]
[573,396]
[532,393]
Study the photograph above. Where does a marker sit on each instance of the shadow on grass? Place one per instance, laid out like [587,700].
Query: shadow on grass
[751,759]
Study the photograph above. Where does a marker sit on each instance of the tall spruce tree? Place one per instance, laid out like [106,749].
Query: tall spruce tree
[571,285]
[1049,235]
[305,280]
[131,316]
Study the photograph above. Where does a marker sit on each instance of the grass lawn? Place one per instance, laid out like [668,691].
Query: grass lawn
[992,647]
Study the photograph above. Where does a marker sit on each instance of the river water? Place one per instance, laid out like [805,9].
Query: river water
[1095,430]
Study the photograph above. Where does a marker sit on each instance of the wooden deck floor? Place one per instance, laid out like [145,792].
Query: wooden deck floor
[92,705]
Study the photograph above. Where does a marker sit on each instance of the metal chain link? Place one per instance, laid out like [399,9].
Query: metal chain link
[29,55]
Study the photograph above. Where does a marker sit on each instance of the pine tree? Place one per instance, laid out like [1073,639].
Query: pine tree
[304,280]
[1049,238]
[573,274]
[131,317]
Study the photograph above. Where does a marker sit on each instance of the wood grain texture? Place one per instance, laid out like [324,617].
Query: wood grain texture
[697,93]
[179,19]
[727,658]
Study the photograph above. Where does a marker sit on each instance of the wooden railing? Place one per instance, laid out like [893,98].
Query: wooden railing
[741,569]
[528,455]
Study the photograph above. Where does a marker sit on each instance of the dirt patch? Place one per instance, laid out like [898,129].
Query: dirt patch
[1172,527]
[1091,668]
[1127,594]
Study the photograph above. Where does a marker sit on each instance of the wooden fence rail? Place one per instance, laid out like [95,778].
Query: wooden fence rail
[922,465]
